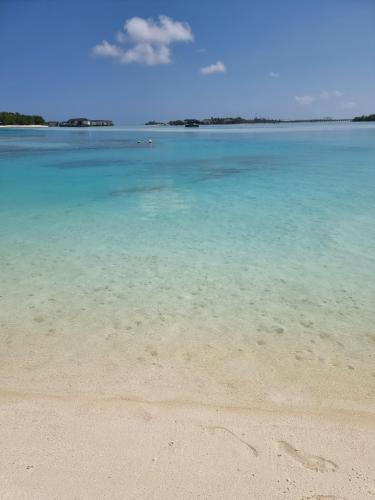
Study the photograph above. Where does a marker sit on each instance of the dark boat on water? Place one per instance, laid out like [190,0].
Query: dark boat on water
[191,124]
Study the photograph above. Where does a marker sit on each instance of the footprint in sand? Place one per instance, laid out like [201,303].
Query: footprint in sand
[224,429]
[312,462]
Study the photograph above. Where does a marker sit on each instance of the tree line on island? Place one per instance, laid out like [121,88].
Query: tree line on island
[364,118]
[215,121]
[8,118]
[239,121]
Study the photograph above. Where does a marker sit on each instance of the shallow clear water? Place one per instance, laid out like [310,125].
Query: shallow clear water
[221,264]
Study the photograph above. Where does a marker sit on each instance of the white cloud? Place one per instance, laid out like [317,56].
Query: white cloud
[324,95]
[166,32]
[106,49]
[272,74]
[349,105]
[121,37]
[218,67]
[305,99]
[150,41]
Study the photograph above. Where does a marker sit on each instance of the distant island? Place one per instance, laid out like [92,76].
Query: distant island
[364,118]
[214,121]
[9,118]
[239,120]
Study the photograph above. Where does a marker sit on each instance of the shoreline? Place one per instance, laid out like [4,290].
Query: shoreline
[23,126]
[92,398]
[135,449]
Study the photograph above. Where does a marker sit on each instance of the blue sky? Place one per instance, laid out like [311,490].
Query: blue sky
[274,58]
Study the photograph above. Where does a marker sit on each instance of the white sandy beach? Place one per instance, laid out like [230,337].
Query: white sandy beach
[85,448]
[23,126]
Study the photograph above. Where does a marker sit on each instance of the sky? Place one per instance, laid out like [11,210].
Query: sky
[138,60]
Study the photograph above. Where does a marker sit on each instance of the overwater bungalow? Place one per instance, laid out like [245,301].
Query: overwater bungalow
[85,122]
[101,123]
[191,123]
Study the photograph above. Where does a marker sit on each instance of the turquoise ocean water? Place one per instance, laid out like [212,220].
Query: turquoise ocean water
[232,264]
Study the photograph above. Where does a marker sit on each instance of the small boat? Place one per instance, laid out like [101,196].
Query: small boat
[150,141]
[191,124]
